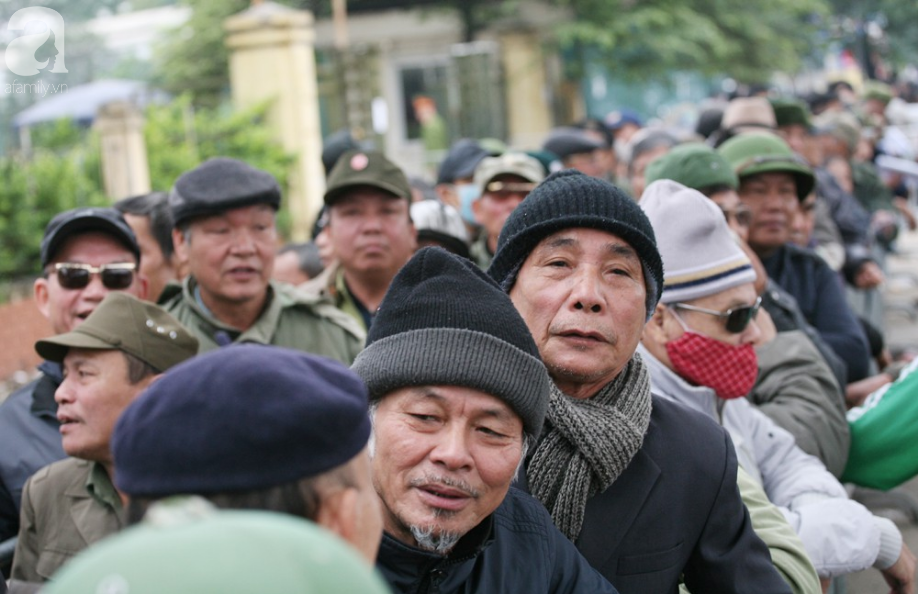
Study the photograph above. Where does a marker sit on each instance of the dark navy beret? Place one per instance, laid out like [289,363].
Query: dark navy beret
[241,418]
[218,185]
[568,141]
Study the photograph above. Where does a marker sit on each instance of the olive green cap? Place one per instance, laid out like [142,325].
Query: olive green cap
[123,322]
[752,154]
[874,89]
[231,552]
[366,168]
[693,165]
[789,112]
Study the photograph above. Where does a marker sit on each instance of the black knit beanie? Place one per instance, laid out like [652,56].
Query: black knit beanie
[569,199]
[444,322]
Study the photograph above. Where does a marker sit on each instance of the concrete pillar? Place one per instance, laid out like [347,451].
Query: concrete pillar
[272,58]
[125,169]
[528,107]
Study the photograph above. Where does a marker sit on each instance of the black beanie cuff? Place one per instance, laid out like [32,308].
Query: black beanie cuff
[457,357]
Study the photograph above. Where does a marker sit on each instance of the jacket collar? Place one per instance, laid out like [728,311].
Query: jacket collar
[406,568]
[260,332]
[43,403]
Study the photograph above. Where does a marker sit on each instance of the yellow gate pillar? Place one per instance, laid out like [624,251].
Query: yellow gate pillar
[125,169]
[272,57]
[529,116]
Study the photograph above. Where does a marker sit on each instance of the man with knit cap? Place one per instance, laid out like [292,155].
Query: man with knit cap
[698,347]
[456,400]
[121,348]
[800,376]
[224,212]
[645,487]
[369,226]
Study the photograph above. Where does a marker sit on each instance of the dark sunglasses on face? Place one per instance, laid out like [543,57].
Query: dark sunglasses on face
[118,276]
[736,318]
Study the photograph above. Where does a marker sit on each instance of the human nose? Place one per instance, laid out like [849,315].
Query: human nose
[243,243]
[752,333]
[63,394]
[95,290]
[451,450]
[586,294]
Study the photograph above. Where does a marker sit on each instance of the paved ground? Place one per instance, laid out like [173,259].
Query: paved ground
[900,504]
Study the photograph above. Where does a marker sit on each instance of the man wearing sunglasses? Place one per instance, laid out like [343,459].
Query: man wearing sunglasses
[504,182]
[699,347]
[224,212]
[800,376]
[86,253]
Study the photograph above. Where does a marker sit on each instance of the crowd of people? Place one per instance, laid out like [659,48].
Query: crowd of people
[634,359]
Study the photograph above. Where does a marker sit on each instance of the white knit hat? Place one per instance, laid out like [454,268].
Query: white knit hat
[700,256]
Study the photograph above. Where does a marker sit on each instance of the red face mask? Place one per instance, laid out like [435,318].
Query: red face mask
[703,361]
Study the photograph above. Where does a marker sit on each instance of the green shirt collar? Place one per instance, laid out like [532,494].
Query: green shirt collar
[100,487]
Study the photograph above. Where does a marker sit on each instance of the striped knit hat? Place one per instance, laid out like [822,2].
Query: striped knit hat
[700,256]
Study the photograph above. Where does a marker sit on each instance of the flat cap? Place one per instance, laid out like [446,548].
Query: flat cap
[366,168]
[220,184]
[461,160]
[567,141]
[123,322]
[241,418]
[85,220]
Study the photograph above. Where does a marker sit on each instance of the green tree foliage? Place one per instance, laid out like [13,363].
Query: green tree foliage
[899,19]
[747,40]
[54,178]
[64,169]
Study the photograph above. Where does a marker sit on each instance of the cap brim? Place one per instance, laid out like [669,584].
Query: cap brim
[55,349]
[335,193]
[803,177]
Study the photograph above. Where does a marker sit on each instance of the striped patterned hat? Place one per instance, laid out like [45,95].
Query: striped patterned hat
[700,256]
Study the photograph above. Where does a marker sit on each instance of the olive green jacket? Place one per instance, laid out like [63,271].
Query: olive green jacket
[66,507]
[330,288]
[290,319]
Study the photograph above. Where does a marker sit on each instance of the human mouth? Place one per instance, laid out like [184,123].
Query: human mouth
[445,498]
[243,272]
[66,422]
[583,335]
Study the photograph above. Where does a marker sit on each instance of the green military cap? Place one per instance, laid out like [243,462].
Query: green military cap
[125,323]
[842,125]
[694,165]
[874,89]
[232,552]
[789,112]
[752,154]
[366,168]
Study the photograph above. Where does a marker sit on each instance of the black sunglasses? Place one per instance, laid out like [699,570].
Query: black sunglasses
[736,318]
[114,276]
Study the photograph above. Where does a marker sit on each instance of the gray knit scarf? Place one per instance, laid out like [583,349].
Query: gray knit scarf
[586,444]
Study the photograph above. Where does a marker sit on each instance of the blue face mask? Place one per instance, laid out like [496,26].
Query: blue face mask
[468,193]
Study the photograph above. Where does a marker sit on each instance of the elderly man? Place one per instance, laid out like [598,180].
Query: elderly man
[773,181]
[646,488]
[699,348]
[86,253]
[456,399]
[300,448]
[224,215]
[107,361]
[504,182]
[370,229]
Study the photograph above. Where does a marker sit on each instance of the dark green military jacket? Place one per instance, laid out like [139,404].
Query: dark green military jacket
[290,319]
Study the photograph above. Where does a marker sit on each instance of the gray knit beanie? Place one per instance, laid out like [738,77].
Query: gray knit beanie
[570,199]
[444,322]
[700,254]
